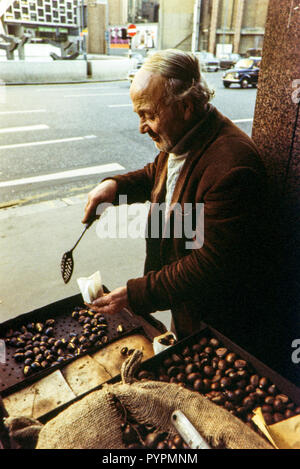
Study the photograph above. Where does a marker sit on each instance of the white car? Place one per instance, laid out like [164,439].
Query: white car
[208,62]
[139,60]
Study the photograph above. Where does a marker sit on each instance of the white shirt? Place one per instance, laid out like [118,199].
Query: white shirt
[175,164]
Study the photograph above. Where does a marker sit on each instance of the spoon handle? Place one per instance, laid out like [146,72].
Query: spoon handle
[87,226]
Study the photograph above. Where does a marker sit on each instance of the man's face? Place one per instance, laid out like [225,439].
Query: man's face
[165,124]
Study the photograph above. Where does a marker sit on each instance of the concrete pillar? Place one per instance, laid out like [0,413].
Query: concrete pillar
[2,27]
[276,131]
[118,12]
[175,24]
[276,125]
[97,24]
[238,25]
[213,26]
[17,30]
[204,26]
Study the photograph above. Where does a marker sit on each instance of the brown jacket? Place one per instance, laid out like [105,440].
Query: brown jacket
[222,170]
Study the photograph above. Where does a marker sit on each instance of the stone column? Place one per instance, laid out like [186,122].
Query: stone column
[276,125]
[96,26]
[276,131]
[118,12]
[175,24]
[213,26]
[238,25]
[2,26]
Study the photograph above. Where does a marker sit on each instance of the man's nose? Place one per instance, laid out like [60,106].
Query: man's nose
[143,127]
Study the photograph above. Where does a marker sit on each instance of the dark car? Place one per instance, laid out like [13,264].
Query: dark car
[244,73]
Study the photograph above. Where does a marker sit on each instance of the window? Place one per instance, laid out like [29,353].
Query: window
[244,63]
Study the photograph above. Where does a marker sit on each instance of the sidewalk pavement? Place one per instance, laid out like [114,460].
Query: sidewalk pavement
[33,239]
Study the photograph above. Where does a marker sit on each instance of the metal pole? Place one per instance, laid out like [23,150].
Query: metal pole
[225,25]
[107,28]
[82,28]
[196,25]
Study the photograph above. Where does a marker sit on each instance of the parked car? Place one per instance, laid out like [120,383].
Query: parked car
[138,60]
[229,60]
[208,62]
[253,52]
[244,73]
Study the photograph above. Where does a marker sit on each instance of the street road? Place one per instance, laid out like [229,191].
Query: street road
[59,140]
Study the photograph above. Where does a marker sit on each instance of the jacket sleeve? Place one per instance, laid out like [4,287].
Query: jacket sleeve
[231,220]
[136,185]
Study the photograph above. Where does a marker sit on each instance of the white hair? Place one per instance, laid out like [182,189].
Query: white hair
[183,78]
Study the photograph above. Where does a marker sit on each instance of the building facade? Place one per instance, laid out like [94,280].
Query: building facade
[239,23]
[219,24]
[43,16]
[118,11]
[176,24]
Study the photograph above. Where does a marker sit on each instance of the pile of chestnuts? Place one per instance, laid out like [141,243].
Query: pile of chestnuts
[141,436]
[94,327]
[37,347]
[137,436]
[226,379]
[168,340]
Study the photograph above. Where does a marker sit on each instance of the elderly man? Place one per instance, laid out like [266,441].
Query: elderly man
[203,159]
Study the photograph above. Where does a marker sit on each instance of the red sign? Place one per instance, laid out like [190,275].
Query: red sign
[131,30]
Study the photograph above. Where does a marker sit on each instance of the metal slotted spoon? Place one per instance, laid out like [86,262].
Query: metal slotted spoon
[67,262]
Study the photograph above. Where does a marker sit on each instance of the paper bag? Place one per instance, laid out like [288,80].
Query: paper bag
[90,287]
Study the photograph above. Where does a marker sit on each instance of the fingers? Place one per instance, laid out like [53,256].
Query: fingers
[99,302]
[91,206]
[102,309]
[104,193]
[110,303]
[89,211]
[102,301]
[104,304]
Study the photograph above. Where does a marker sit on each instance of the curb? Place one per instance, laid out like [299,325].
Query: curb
[65,71]
[90,80]
[20,211]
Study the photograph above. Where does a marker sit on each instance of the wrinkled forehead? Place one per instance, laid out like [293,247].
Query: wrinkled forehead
[147,88]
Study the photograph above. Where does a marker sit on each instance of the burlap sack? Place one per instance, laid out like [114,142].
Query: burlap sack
[94,421]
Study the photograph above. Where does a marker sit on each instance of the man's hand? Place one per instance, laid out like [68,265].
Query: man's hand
[105,192]
[111,303]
